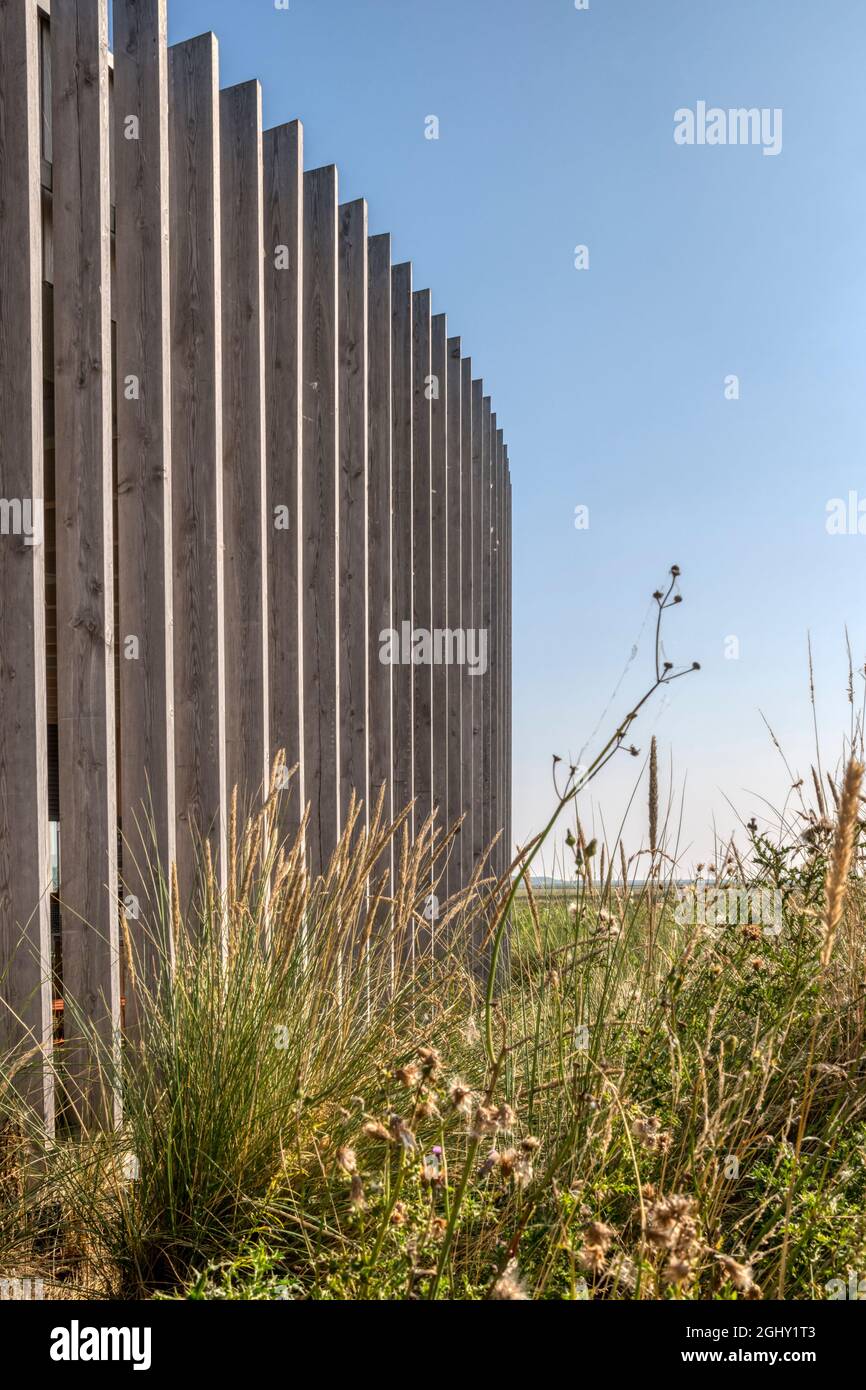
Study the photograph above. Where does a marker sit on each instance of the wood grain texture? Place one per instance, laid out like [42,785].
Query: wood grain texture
[477,682]
[453,602]
[85,578]
[143,394]
[491,680]
[353,561]
[284,263]
[439,571]
[467,617]
[484,681]
[320,490]
[25,869]
[197,456]
[245,525]
[401,533]
[509,724]
[499,625]
[379,522]
[422,695]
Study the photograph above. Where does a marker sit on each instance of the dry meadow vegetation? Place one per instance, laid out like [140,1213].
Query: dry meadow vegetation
[550,1096]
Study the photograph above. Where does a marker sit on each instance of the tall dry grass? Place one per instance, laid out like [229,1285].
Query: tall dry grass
[619,1099]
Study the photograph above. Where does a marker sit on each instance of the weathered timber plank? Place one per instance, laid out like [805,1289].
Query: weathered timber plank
[422,696]
[401,533]
[353,557]
[284,251]
[143,393]
[320,490]
[379,525]
[245,527]
[197,457]
[453,603]
[509,725]
[467,549]
[499,623]
[441,672]
[25,869]
[85,569]
[492,676]
[475,681]
[484,681]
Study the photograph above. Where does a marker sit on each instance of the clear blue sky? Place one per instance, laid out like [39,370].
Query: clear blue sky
[557,129]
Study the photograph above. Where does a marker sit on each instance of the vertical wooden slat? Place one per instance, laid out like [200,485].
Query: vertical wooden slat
[284,248]
[143,393]
[320,515]
[467,568]
[499,618]
[453,601]
[353,566]
[508,670]
[379,522]
[475,681]
[25,870]
[85,580]
[243,462]
[401,533]
[491,679]
[439,538]
[422,696]
[484,681]
[197,460]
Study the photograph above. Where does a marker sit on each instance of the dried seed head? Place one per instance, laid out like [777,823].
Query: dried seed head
[347,1160]
[431,1062]
[516,1165]
[592,1259]
[839,866]
[598,1234]
[356,1195]
[740,1275]
[374,1130]
[677,1271]
[621,1273]
[402,1134]
[483,1121]
[409,1076]
[509,1286]
[460,1096]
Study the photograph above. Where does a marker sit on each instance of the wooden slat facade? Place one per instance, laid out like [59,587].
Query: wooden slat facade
[277,515]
